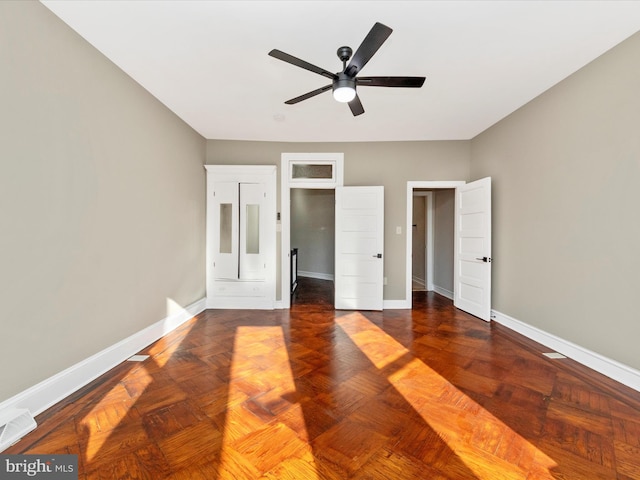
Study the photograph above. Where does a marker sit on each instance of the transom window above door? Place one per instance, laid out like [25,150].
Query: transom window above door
[313,172]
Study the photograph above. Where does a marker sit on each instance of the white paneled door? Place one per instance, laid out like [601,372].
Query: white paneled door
[472,254]
[359,248]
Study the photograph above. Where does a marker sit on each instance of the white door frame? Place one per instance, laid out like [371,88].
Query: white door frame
[286,161]
[409,227]
[428,236]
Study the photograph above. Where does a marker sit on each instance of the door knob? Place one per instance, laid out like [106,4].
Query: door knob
[484,259]
[379,255]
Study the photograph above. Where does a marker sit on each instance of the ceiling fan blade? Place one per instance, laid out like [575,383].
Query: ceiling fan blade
[408,82]
[356,106]
[285,57]
[369,46]
[308,95]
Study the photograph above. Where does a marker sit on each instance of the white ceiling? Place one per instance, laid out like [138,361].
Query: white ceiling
[207,60]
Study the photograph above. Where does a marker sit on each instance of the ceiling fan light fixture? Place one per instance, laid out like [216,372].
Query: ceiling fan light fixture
[344,94]
[344,89]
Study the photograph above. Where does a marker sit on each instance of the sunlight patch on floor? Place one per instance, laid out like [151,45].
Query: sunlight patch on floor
[261,381]
[476,436]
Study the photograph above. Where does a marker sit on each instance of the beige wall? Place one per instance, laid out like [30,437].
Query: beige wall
[390,164]
[101,201]
[566,199]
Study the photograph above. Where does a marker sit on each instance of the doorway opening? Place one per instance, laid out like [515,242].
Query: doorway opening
[432,240]
[312,238]
[422,251]
[431,268]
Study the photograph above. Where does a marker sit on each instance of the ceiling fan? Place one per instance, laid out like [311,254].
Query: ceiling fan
[344,83]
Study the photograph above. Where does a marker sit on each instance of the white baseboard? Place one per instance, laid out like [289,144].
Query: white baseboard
[319,276]
[443,291]
[54,389]
[396,304]
[617,371]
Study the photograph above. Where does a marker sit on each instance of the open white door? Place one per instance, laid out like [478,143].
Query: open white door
[472,254]
[359,248]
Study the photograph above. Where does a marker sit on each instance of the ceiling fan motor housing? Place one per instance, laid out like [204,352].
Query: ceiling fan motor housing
[344,83]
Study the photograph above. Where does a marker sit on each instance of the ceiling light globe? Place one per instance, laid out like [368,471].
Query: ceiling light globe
[344,94]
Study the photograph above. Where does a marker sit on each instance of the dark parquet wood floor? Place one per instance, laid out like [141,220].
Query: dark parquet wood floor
[311,393]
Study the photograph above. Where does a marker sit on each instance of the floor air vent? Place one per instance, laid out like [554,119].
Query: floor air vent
[554,355]
[14,424]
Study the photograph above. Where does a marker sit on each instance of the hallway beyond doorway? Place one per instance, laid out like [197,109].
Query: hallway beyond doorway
[314,293]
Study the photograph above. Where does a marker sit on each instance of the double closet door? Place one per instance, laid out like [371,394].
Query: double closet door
[241,243]
[237,253]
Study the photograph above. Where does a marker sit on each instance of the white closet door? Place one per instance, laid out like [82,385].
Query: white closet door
[252,218]
[225,238]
